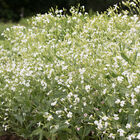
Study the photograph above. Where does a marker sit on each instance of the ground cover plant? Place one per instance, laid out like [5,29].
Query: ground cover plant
[72,77]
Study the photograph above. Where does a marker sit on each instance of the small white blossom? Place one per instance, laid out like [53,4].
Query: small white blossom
[104,91]
[49,117]
[138,136]
[133,101]
[54,103]
[121,131]
[96,122]
[136,111]
[58,112]
[106,124]
[131,137]
[100,126]
[116,117]
[138,124]
[128,126]
[117,101]
[85,115]
[112,136]
[67,122]
[82,71]
[120,79]
[87,88]
[105,118]
[56,126]
[122,103]
[137,89]
[69,115]
[84,103]
[113,85]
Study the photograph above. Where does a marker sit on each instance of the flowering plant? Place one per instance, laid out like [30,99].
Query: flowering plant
[72,77]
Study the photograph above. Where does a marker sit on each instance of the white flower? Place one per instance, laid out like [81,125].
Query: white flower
[77,100]
[87,88]
[128,126]
[90,117]
[85,115]
[66,122]
[49,117]
[58,112]
[105,118]
[121,131]
[136,111]
[132,95]
[69,115]
[133,101]
[70,95]
[100,126]
[126,95]
[82,70]
[117,101]
[54,103]
[112,136]
[56,126]
[39,124]
[138,124]
[96,122]
[132,3]
[65,109]
[120,79]
[113,85]
[84,104]
[106,124]
[104,91]
[116,117]
[122,103]
[78,128]
[137,89]
[138,136]
[46,114]
[120,110]
[130,137]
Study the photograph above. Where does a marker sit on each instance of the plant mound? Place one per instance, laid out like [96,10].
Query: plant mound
[72,77]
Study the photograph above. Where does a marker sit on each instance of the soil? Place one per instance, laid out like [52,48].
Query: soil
[10,137]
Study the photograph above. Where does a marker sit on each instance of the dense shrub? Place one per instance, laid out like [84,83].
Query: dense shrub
[72,77]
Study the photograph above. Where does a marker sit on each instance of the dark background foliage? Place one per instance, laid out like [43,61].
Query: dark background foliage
[15,9]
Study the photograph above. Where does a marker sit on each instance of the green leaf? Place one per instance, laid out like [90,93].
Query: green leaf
[126,58]
[110,100]
[131,118]
[135,57]
[19,118]
[87,131]
[37,132]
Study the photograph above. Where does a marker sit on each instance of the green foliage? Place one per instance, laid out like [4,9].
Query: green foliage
[72,77]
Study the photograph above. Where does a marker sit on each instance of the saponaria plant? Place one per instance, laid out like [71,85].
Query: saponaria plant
[72,77]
